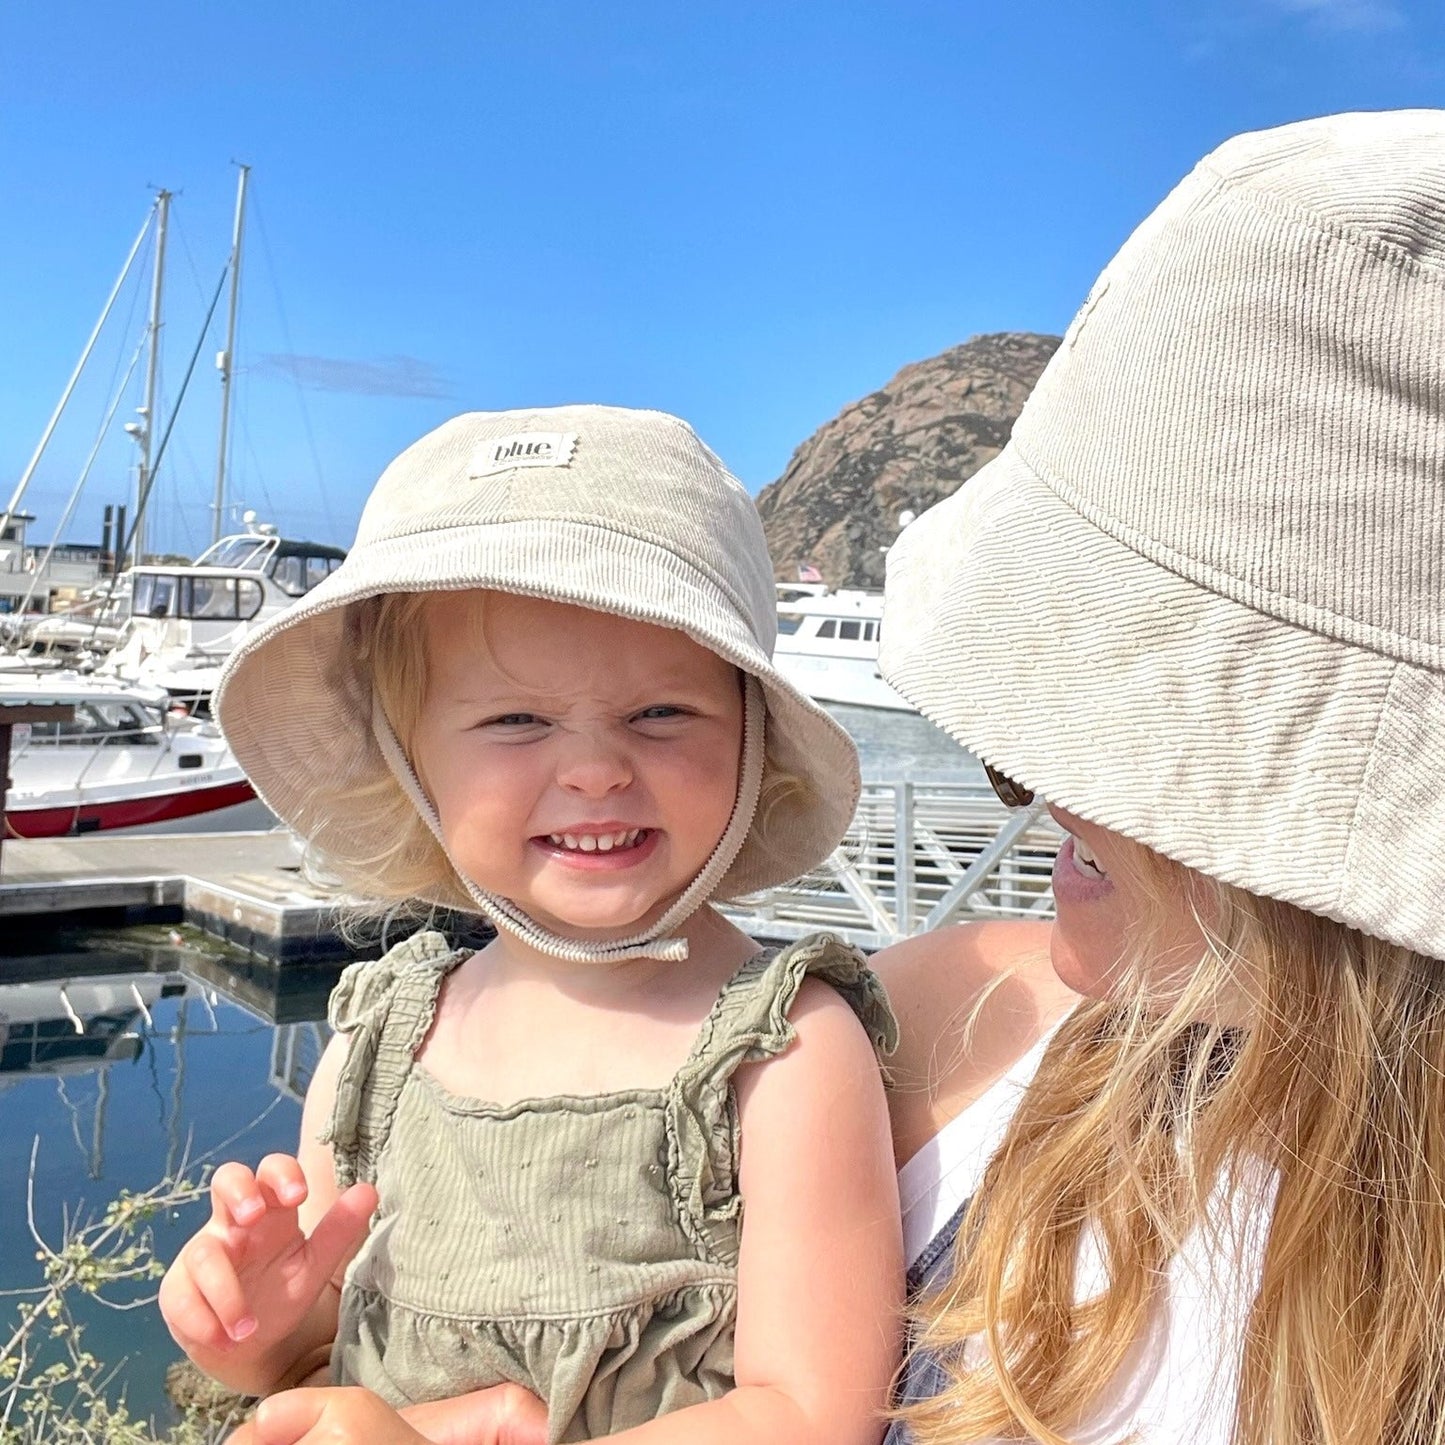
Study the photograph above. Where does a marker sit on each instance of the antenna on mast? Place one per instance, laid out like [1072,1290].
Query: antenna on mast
[225,358]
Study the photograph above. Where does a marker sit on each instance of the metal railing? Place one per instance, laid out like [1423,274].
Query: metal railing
[918,856]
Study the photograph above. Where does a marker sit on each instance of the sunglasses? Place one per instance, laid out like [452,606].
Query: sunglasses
[1010,793]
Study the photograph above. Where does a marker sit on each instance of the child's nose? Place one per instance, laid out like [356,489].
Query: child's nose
[594,765]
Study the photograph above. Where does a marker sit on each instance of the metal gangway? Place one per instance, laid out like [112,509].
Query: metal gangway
[917,856]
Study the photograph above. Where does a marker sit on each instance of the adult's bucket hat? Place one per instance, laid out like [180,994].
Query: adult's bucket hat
[1200,596]
[623,511]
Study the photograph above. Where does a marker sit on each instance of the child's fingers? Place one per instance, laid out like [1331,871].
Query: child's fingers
[282,1175]
[341,1229]
[187,1314]
[214,1279]
[236,1198]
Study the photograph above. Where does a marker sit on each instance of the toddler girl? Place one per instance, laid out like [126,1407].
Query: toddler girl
[540,688]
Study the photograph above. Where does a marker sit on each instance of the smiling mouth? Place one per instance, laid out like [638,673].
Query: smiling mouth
[618,842]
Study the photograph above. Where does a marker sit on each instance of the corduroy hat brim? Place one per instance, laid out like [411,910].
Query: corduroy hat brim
[293,706]
[1200,597]
[1262,753]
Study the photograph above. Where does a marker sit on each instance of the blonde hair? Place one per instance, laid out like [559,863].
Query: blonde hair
[1140,1113]
[388,635]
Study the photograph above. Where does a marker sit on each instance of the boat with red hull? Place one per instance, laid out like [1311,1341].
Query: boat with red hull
[125,760]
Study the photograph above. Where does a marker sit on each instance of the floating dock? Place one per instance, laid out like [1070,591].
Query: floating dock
[246,889]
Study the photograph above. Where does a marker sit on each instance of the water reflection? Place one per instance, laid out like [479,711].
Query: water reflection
[131,1057]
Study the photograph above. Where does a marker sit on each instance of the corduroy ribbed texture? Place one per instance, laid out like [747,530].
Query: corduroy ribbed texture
[643,522]
[1200,597]
[586,1247]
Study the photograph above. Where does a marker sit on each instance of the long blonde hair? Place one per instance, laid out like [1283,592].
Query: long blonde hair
[1141,1119]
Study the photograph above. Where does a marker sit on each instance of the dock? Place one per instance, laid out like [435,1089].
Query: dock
[245,889]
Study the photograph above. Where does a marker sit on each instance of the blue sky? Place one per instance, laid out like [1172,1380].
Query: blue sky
[746,213]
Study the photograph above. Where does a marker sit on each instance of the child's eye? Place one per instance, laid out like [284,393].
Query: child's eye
[660,713]
[513,720]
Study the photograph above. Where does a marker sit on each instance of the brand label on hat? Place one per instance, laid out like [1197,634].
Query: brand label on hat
[523,449]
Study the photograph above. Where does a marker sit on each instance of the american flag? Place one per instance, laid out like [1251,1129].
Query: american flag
[808,573]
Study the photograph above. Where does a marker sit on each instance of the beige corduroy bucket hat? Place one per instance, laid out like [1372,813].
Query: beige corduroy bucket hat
[623,511]
[1200,597]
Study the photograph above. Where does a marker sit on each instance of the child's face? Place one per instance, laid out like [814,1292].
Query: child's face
[583,766]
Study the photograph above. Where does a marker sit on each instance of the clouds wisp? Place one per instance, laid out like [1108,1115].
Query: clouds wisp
[1355,16]
[391,376]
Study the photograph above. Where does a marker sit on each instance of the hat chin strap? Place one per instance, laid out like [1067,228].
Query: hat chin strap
[652,942]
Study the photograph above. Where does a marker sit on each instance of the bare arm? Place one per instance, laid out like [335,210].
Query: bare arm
[820,1279]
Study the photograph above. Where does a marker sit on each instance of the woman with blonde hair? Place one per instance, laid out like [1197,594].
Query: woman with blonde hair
[1198,604]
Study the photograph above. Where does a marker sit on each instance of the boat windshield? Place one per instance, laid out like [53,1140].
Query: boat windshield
[97,723]
[247,553]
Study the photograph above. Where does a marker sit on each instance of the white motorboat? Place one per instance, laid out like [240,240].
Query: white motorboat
[125,760]
[828,645]
[186,619]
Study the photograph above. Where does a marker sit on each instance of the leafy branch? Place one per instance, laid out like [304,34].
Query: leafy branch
[52,1388]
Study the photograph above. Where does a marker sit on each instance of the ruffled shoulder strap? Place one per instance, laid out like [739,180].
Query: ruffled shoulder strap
[750,1023]
[385,1007]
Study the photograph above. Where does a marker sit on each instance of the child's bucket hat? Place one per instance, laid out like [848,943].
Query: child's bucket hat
[623,511]
[1200,596]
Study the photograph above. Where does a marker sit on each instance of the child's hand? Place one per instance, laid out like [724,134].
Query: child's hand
[249,1277]
[505,1415]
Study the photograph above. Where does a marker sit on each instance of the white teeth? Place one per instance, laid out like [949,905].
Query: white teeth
[595,842]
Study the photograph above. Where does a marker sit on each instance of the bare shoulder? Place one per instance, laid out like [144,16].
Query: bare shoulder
[970,999]
[932,976]
[831,1057]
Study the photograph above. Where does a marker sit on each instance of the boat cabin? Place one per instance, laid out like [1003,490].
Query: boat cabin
[230,580]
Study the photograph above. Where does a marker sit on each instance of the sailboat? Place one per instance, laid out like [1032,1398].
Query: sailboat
[130,756]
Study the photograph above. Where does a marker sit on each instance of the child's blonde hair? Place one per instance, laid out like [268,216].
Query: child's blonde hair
[389,635]
[1140,1112]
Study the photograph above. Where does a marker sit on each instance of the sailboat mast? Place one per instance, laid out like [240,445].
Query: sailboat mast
[224,359]
[163,215]
[16,496]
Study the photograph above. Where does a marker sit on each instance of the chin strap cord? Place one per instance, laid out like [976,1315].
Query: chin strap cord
[653,942]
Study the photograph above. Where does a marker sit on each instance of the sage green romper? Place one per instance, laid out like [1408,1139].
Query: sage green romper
[584,1247]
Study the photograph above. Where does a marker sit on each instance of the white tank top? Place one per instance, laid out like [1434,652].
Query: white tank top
[1180,1382]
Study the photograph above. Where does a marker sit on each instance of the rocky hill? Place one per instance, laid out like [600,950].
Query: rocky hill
[904,447]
